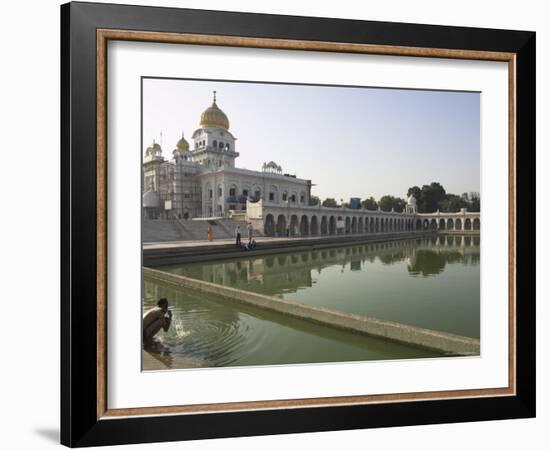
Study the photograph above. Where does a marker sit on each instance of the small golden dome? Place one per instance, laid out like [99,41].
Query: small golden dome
[214,117]
[182,144]
[153,147]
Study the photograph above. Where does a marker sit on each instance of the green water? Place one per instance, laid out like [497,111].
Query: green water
[429,283]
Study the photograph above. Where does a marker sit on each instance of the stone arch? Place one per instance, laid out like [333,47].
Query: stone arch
[324,225]
[433,224]
[450,224]
[347,229]
[332,225]
[418,224]
[468,224]
[360,225]
[294,224]
[376,225]
[458,224]
[441,224]
[304,226]
[281,225]
[476,224]
[269,225]
[314,226]
[354,224]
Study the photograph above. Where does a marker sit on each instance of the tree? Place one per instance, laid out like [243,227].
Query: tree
[370,204]
[314,200]
[414,191]
[430,196]
[451,203]
[387,202]
[474,202]
[330,203]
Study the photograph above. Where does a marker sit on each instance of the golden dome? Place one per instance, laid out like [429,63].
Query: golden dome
[182,144]
[214,117]
[153,147]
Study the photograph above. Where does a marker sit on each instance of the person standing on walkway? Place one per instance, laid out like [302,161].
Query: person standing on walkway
[209,232]
[238,236]
[249,229]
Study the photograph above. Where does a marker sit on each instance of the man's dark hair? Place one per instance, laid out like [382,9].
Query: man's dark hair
[162,302]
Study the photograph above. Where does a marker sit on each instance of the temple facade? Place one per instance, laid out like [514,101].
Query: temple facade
[201,180]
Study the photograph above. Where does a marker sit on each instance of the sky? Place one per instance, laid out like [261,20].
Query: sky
[350,141]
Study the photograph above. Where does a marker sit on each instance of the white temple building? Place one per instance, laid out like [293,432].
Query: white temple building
[201,180]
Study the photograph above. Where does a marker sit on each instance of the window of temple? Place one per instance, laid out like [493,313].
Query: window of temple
[271,196]
[245,192]
[219,192]
[302,198]
[285,196]
[293,198]
[258,193]
[215,143]
[221,145]
[232,192]
[210,193]
[228,147]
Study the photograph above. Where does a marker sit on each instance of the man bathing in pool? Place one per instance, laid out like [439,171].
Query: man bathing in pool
[155,319]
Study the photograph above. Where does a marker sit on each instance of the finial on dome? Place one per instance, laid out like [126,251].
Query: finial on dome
[214,96]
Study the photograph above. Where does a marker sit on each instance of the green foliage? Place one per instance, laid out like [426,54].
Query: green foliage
[433,197]
[370,203]
[474,202]
[330,203]
[387,202]
[430,196]
[414,191]
[314,200]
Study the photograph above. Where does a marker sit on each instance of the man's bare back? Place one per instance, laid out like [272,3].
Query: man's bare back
[155,319]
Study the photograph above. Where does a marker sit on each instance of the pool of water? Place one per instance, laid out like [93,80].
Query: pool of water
[430,283]
[211,332]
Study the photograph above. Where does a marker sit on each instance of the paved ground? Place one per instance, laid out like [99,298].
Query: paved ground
[225,242]
[158,361]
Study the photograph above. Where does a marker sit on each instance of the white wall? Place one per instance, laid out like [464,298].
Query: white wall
[29,109]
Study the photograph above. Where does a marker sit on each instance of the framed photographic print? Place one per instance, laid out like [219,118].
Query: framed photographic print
[276,224]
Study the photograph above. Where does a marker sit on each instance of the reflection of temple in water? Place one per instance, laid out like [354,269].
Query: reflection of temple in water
[293,271]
